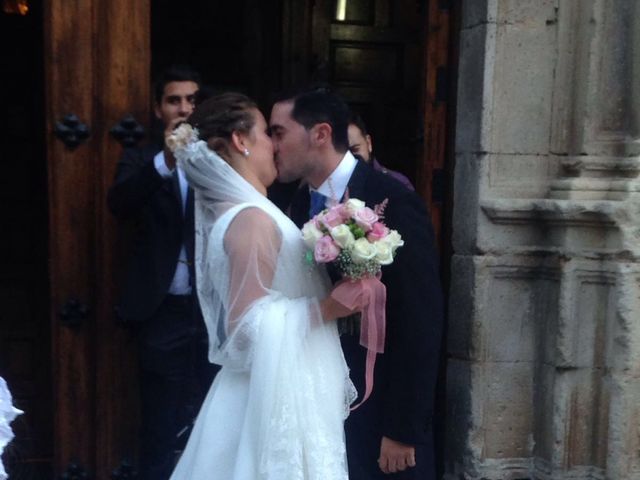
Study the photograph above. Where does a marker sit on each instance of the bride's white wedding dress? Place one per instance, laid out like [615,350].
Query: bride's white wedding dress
[277,406]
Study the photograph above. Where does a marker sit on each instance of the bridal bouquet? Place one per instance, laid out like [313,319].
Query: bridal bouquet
[354,237]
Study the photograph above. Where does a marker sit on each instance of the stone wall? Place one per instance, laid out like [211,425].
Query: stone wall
[544,340]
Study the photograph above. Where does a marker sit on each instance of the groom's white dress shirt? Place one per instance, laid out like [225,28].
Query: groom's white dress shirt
[180,283]
[335,186]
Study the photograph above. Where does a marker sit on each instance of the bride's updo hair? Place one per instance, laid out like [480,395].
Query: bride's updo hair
[218,117]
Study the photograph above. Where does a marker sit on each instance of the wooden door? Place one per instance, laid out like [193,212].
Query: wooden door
[389,60]
[97,71]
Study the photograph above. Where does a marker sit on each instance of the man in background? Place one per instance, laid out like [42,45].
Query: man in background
[361,144]
[158,295]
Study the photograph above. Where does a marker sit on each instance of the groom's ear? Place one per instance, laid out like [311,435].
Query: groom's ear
[321,134]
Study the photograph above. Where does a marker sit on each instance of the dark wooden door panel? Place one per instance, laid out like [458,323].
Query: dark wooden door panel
[97,67]
[439,74]
[69,52]
[123,78]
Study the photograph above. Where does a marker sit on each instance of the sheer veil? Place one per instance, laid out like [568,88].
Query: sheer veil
[218,188]
[214,179]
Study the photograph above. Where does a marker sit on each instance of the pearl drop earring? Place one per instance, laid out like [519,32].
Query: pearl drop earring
[246,152]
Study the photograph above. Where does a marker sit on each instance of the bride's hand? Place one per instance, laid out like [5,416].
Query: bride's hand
[345,299]
[332,310]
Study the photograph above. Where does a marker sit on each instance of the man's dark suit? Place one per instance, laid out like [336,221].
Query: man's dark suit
[401,405]
[175,373]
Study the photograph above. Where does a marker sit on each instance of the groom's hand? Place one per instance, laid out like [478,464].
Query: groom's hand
[396,456]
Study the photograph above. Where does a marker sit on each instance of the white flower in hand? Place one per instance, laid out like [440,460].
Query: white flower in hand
[181,137]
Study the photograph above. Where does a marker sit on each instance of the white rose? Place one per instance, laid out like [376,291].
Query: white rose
[362,250]
[353,204]
[384,254]
[394,240]
[311,234]
[342,236]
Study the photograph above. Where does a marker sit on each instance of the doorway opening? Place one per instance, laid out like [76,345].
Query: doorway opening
[371,52]
[233,45]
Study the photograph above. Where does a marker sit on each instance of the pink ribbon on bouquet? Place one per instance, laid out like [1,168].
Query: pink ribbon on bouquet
[369,296]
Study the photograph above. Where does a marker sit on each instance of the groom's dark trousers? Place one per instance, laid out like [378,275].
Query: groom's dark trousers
[172,345]
[401,405]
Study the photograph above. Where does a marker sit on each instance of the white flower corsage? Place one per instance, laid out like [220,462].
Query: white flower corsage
[181,137]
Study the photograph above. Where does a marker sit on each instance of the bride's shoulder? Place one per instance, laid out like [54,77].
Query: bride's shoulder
[252,220]
[255,217]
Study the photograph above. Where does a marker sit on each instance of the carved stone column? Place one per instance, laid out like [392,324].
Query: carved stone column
[544,340]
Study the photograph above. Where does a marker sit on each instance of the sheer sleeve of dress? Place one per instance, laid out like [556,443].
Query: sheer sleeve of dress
[252,244]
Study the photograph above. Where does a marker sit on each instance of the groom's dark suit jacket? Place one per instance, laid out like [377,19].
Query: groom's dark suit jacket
[401,405]
[154,205]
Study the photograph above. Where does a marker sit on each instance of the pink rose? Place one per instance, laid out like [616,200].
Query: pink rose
[332,218]
[378,232]
[341,210]
[326,250]
[365,218]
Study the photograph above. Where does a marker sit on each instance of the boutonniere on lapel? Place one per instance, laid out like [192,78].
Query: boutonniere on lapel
[355,238]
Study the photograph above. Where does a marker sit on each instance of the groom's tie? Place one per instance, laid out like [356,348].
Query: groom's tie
[317,203]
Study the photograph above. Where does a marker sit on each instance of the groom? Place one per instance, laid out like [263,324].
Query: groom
[390,435]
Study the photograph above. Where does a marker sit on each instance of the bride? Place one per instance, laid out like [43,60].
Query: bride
[276,409]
